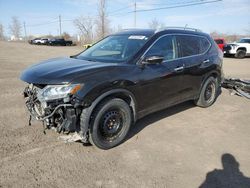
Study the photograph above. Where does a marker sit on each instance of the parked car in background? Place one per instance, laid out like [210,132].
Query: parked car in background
[101,92]
[59,42]
[220,42]
[39,41]
[238,49]
[86,46]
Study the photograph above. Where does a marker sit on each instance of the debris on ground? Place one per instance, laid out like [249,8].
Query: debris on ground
[71,138]
[237,86]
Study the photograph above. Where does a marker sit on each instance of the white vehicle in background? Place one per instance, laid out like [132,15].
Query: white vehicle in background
[39,41]
[239,49]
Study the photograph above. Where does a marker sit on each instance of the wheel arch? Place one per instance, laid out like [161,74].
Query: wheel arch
[123,94]
[242,48]
[215,74]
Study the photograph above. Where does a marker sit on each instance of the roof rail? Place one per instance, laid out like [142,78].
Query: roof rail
[179,28]
[128,29]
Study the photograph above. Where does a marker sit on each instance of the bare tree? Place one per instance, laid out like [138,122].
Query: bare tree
[1,32]
[66,36]
[15,27]
[102,21]
[228,37]
[155,24]
[85,27]
[115,29]
[215,34]
[248,29]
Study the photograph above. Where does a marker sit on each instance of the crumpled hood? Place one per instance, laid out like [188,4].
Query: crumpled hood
[61,70]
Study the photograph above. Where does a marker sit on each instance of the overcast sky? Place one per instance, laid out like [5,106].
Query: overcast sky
[41,16]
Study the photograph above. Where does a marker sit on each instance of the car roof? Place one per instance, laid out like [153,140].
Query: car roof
[169,30]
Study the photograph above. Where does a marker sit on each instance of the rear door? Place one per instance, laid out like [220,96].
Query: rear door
[193,56]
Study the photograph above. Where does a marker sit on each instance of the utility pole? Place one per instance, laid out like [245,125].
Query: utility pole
[103,17]
[135,15]
[60,25]
[25,33]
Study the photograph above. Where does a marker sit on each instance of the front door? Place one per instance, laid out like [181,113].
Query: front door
[160,83]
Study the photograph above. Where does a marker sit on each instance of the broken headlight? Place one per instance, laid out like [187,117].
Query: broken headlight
[52,92]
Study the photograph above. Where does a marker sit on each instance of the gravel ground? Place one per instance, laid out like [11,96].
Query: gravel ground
[180,147]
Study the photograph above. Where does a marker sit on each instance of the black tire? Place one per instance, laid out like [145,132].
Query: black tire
[208,93]
[240,54]
[110,124]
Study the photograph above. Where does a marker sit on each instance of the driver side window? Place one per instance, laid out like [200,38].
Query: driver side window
[165,47]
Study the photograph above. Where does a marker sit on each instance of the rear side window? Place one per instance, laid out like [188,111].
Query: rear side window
[205,44]
[192,45]
[189,45]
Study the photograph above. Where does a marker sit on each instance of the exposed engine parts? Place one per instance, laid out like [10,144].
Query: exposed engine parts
[54,114]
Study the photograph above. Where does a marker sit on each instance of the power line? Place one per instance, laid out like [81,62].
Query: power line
[110,13]
[177,6]
[172,5]
[119,12]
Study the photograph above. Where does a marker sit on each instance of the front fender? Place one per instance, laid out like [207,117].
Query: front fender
[92,91]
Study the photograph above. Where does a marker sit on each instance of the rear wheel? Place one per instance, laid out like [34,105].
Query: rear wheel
[111,122]
[240,54]
[208,93]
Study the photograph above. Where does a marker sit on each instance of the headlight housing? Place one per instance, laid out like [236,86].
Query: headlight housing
[52,92]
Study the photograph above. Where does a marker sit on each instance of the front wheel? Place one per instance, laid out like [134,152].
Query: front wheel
[208,93]
[111,122]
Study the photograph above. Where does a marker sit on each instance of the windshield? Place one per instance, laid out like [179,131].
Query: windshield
[244,41]
[114,49]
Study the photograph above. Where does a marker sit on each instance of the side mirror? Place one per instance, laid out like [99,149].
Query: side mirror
[155,59]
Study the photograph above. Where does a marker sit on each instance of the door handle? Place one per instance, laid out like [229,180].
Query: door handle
[179,69]
[206,61]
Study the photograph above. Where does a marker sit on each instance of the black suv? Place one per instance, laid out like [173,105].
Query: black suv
[101,92]
[59,42]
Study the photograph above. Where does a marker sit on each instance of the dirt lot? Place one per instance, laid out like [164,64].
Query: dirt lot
[174,148]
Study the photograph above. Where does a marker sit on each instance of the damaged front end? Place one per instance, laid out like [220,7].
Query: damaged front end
[54,106]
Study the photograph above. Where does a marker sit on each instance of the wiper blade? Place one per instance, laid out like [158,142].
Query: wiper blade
[91,60]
